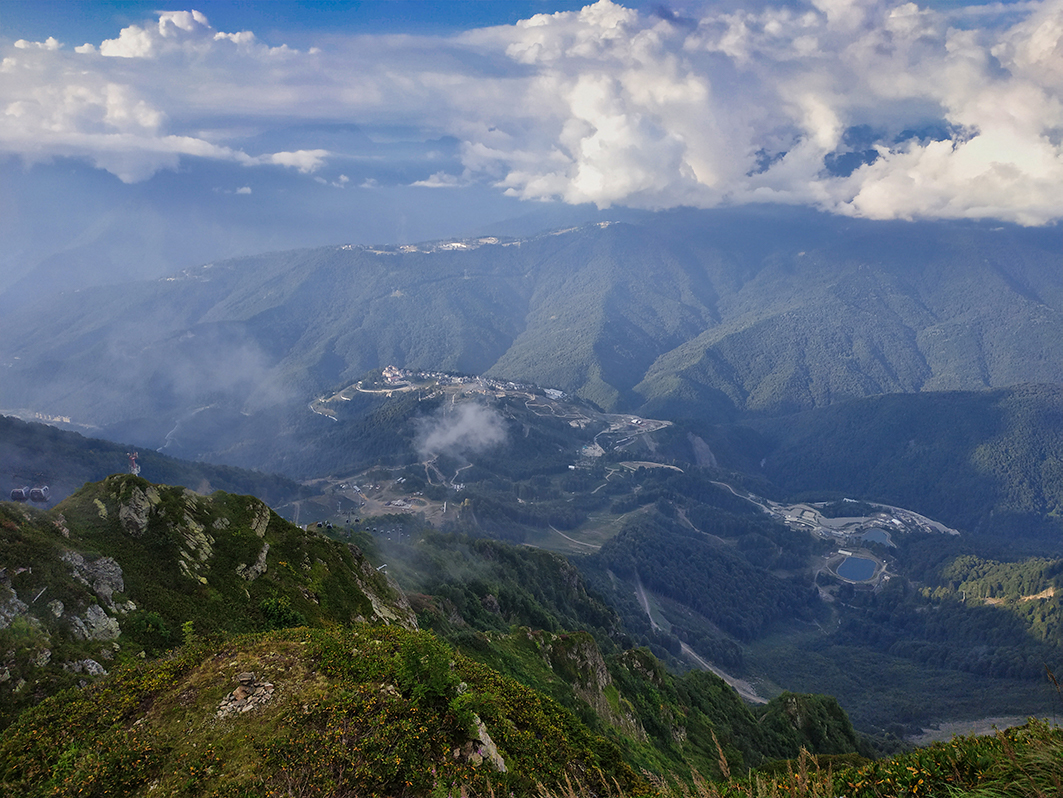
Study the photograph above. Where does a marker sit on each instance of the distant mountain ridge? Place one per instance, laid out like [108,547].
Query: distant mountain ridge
[689,313]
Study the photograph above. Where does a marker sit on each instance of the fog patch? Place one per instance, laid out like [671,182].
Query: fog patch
[461,430]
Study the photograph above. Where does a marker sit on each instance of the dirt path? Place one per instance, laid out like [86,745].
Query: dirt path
[640,591]
[741,686]
[573,540]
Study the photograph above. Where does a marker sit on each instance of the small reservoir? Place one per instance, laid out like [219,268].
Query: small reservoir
[857,569]
[877,535]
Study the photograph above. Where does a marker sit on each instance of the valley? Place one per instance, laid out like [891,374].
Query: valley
[632,475]
[739,578]
[676,546]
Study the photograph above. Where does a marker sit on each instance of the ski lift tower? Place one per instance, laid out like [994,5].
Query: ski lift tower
[134,466]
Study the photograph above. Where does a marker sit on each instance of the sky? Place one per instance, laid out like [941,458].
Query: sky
[137,137]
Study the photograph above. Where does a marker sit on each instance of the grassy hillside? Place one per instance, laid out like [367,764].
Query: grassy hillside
[124,568]
[365,710]
[386,712]
[131,571]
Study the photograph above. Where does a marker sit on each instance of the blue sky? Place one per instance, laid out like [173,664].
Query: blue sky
[135,140]
[76,19]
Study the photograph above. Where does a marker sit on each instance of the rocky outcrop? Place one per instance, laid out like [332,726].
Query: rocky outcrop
[248,696]
[388,600]
[87,666]
[197,549]
[261,521]
[481,749]
[134,511]
[11,607]
[577,659]
[95,624]
[104,575]
[257,568]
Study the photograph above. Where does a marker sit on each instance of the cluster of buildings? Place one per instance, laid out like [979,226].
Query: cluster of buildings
[395,377]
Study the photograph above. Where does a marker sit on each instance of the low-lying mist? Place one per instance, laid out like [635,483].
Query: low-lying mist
[459,430]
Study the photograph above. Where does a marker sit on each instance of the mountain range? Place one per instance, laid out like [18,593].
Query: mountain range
[703,314]
[709,413]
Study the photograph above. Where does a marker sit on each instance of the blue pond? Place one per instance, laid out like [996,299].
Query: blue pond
[857,569]
[876,535]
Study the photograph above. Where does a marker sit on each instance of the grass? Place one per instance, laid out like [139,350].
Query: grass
[380,711]
[1024,761]
[362,711]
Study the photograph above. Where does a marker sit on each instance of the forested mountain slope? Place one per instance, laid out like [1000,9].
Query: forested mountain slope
[713,313]
[989,462]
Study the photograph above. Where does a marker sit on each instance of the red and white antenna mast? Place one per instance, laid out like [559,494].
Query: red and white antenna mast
[134,466]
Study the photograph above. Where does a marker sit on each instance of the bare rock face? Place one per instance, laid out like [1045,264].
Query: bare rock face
[257,568]
[578,654]
[261,521]
[11,607]
[133,513]
[392,607]
[197,549]
[89,666]
[104,575]
[488,750]
[95,625]
[480,750]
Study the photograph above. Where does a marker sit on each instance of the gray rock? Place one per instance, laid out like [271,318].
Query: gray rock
[257,568]
[11,608]
[96,625]
[261,522]
[133,513]
[488,750]
[89,666]
[104,575]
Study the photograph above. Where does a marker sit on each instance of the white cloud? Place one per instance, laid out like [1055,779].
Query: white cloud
[753,105]
[243,190]
[443,180]
[51,43]
[459,431]
[879,108]
[305,161]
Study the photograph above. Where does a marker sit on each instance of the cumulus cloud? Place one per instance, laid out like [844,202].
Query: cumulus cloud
[758,105]
[131,119]
[457,431]
[874,108]
[51,43]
